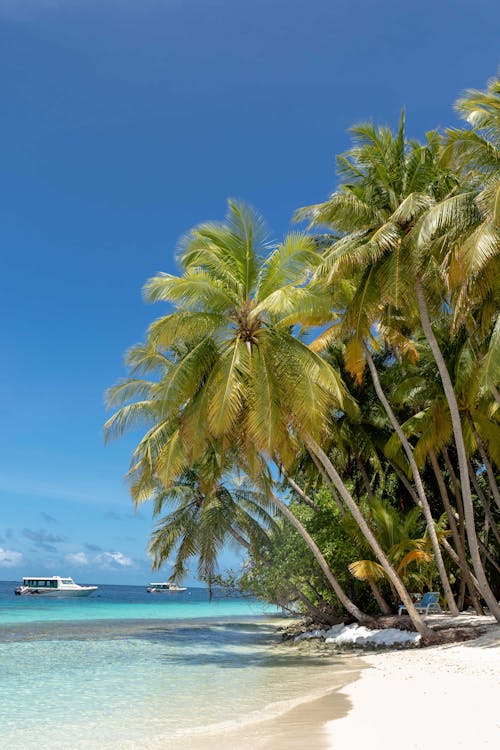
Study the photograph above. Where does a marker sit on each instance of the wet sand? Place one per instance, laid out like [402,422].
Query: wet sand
[425,699]
[301,727]
[422,699]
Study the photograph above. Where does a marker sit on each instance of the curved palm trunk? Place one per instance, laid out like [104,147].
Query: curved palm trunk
[404,481]
[418,484]
[364,477]
[384,607]
[329,484]
[461,516]
[486,461]
[489,556]
[396,581]
[311,608]
[300,492]
[461,453]
[496,394]
[455,484]
[484,501]
[449,549]
[461,559]
[341,595]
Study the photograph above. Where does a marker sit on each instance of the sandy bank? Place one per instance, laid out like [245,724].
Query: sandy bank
[419,699]
[302,726]
[446,696]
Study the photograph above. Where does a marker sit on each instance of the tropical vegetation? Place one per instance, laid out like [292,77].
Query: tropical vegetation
[330,403]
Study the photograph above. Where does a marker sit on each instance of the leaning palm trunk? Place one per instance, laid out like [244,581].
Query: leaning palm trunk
[484,501]
[311,608]
[418,484]
[396,581]
[404,481]
[496,394]
[461,560]
[461,453]
[300,492]
[486,461]
[341,595]
[364,477]
[449,549]
[489,556]
[384,607]
[329,484]
[460,512]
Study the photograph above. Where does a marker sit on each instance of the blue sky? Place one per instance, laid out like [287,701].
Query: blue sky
[125,122]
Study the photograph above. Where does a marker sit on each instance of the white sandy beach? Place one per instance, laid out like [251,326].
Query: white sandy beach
[440,697]
[420,699]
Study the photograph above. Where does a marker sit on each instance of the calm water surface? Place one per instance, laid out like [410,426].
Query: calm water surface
[126,670]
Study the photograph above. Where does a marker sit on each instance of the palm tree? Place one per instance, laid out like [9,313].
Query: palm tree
[236,374]
[430,429]
[381,210]
[204,516]
[406,545]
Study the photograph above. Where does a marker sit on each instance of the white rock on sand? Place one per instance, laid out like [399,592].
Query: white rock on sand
[421,699]
[358,635]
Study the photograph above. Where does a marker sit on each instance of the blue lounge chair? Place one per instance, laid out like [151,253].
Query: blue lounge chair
[429,603]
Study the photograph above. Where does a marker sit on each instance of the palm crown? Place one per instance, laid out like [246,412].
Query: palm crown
[229,367]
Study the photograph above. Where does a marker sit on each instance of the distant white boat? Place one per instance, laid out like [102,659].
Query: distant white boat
[53,586]
[166,587]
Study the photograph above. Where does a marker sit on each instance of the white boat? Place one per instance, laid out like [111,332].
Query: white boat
[166,587]
[53,586]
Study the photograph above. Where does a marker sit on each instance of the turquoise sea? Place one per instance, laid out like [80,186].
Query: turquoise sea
[127,670]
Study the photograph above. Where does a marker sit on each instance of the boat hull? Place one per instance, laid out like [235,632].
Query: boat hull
[57,593]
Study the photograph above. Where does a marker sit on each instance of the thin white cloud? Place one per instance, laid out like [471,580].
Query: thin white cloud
[104,560]
[113,559]
[9,558]
[77,558]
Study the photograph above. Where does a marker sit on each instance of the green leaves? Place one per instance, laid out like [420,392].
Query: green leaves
[247,362]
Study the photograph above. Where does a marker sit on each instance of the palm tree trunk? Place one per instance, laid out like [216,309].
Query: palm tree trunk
[417,621]
[449,549]
[404,481]
[384,607]
[486,461]
[244,542]
[418,484]
[485,503]
[311,608]
[472,538]
[489,556]
[450,512]
[496,394]
[300,492]
[341,595]
[329,484]
[456,486]
[364,477]
[461,558]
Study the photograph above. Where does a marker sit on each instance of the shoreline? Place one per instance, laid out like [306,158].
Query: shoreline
[439,696]
[380,698]
[409,697]
[299,726]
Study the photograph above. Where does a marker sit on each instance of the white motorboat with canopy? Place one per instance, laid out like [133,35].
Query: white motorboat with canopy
[53,586]
[165,587]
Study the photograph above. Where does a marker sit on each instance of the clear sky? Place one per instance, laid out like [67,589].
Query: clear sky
[125,122]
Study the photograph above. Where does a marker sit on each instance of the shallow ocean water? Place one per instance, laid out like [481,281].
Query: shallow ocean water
[115,675]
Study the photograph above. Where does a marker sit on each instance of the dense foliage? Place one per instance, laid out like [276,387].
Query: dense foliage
[330,403]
